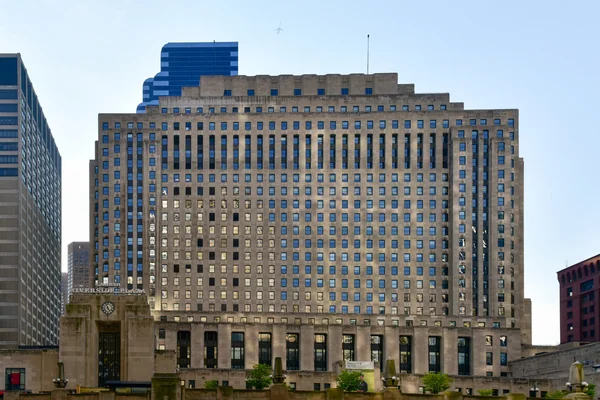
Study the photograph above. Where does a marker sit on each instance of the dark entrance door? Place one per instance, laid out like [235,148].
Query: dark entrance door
[109,357]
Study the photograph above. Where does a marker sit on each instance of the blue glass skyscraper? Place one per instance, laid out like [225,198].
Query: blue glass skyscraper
[182,64]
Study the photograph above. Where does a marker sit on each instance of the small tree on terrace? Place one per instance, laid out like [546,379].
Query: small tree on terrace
[349,380]
[436,383]
[260,376]
[591,390]
[213,384]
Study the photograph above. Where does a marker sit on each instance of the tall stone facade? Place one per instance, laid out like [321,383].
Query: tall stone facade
[335,200]
[107,337]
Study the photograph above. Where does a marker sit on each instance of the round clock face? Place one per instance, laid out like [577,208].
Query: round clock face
[108,308]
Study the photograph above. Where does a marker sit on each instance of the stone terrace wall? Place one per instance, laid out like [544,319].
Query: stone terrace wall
[227,393]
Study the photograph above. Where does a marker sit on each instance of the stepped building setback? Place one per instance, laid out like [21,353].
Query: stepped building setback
[345,215]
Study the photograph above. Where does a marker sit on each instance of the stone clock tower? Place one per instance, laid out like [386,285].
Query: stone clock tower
[107,337]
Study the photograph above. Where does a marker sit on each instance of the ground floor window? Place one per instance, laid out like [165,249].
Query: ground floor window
[15,379]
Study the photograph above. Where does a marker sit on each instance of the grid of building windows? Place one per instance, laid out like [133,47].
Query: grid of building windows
[420,348]
[346,204]
[30,186]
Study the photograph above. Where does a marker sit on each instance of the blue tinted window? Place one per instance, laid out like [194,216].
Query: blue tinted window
[8,71]
[8,94]
[8,107]
[9,146]
[8,121]
[8,159]
[9,172]
[8,133]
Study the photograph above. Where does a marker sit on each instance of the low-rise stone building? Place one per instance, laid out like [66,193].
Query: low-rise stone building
[554,365]
[115,337]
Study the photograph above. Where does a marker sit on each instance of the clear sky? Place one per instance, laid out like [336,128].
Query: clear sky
[542,57]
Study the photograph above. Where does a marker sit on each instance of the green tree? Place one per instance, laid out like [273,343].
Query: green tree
[591,391]
[349,380]
[485,392]
[559,394]
[436,383]
[260,377]
[211,384]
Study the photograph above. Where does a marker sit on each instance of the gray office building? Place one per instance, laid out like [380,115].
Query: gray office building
[64,292]
[79,265]
[30,213]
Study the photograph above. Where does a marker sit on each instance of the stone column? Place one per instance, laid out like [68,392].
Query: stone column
[197,339]
[307,343]
[278,343]
[420,349]
[140,345]
[334,348]
[450,352]
[392,343]
[76,351]
[224,353]
[251,345]
[363,343]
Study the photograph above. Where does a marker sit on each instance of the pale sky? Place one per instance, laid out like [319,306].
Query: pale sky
[542,57]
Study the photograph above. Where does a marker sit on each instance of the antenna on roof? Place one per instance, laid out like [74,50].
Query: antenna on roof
[368,39]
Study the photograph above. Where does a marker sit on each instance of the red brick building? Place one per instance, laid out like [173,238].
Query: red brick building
[580,301]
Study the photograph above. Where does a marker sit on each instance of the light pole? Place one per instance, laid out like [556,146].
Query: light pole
[60,382]
[533,391]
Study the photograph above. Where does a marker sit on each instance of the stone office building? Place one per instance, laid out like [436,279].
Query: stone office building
[107,337]
[319,202]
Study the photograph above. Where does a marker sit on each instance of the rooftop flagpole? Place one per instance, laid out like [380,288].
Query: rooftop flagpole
[368,39]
